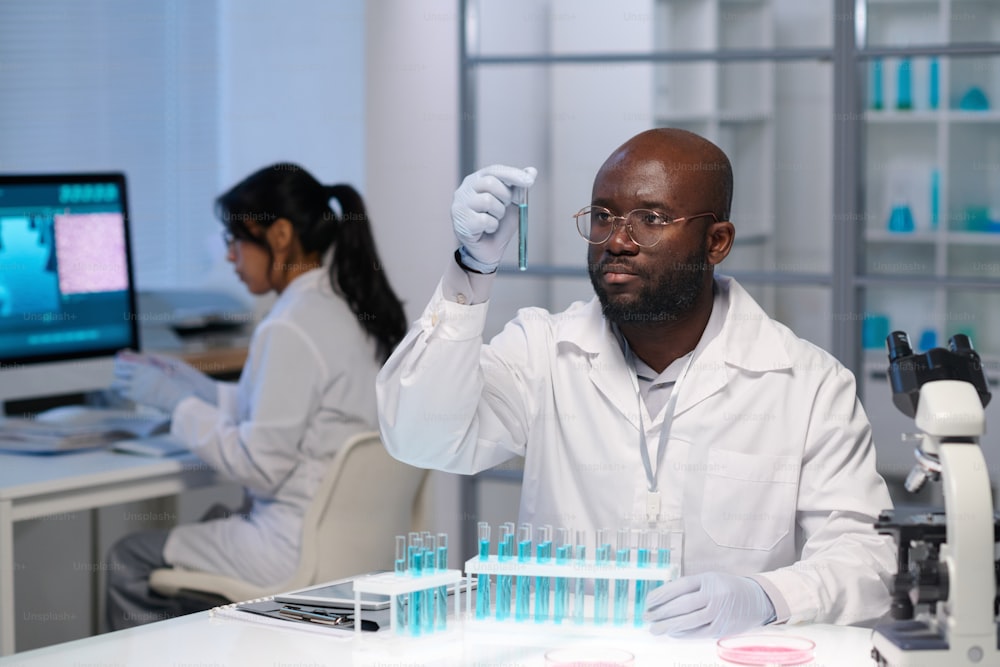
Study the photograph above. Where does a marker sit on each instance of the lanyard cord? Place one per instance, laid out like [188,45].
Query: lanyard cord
[668,417]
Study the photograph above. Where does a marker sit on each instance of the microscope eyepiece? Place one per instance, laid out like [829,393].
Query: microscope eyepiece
[899,345]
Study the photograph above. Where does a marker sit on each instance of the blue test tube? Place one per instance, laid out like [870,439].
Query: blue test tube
[483,587]
[505,549]
[564,550]
[416,558]
[442,591]
[645,543]
[543,553]
[523,602]
[579,594]
[602,558]
[400,568]
[622,553]
[427,604]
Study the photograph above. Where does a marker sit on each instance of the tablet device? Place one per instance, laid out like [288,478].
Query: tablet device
[340,594]
[337,593]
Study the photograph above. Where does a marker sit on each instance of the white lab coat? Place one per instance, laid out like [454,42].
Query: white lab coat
[307,385]
[769,469]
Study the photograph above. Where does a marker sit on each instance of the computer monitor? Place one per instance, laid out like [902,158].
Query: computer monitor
[67,302]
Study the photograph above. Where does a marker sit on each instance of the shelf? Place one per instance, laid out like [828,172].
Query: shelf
[917,237]
[918,116]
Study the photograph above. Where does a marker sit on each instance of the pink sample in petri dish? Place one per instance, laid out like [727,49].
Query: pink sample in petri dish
[766,649]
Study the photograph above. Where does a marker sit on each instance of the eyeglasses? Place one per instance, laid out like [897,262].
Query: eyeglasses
[644,226]
[228,239]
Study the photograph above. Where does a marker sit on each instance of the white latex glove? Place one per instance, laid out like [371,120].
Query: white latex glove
[481,214]
[202,385]
[712,604]
[148,384]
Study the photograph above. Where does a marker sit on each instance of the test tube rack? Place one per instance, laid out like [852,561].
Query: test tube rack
[588,569]
[397,585]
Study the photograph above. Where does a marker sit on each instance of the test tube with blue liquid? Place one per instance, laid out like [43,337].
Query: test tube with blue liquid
[505,550]
[602,558]
[543,553]
[579,583]
[441,600]
[483,586]
[427,605]
[622,558]
[523,602]
[645,543]
[400,568]
[564,549]
[520,197]
[415,553]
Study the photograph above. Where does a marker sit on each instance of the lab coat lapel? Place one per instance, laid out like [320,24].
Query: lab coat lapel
[608,370]
[748,340]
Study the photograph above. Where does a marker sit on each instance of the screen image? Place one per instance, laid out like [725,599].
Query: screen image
[65,271]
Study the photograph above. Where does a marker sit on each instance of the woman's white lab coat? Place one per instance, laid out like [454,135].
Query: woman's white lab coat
[307,385]
[769,468]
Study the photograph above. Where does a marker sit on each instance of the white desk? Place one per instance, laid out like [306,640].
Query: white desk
[38,486]
[200,640]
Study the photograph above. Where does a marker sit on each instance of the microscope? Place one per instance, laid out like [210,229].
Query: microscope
[944,602]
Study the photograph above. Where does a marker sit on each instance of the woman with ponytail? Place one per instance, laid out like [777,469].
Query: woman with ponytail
[308,384]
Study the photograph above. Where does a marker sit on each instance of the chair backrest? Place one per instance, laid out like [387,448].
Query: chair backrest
[365,500]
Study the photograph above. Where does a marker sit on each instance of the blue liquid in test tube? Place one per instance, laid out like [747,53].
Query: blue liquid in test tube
[579,594]
[523,602]
[543,553]
[400,568]
[416,557]
[427,605]
[602,558]
[483,587]
[563,551]
[642,553]
[441,601]
[521,199]
[622,556]
[505,550]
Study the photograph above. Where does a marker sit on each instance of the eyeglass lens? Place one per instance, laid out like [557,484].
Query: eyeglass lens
[643,226]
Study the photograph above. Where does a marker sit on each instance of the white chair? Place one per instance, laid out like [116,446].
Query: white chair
[366,498]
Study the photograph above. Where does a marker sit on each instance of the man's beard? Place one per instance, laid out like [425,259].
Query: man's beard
[666,300]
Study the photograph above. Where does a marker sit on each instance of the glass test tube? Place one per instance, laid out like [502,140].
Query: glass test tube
[662,553]
[399,622]
[416,558]
[579,583]
[483,586]
[645,543]
[505,549]
[564,550]
[520,197]
[622,554]
[602,558]
[441,601]
[427,604]
[523,602]
[543,552]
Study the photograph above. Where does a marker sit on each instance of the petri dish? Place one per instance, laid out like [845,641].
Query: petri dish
[588,656]
[764,649]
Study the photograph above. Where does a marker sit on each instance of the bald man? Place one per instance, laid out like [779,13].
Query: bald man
[670,401]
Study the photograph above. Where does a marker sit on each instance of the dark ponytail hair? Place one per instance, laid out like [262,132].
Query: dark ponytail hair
[288,191]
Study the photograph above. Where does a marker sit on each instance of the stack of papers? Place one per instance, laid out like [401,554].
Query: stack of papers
[75,428]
